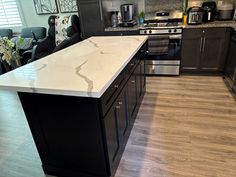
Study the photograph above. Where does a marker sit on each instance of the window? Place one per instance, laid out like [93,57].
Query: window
[9,14]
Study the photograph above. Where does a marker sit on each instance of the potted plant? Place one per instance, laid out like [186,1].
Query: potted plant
[9,53]
[141,17]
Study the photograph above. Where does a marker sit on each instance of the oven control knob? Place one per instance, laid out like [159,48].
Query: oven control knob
[175,30]
[169,31]
[150,31]
[145,32]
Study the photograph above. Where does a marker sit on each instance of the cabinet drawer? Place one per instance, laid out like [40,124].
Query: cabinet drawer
[214,32]
[192,33]
[111,93]
[130,67]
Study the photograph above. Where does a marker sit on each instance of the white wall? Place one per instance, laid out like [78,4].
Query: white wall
[29,16]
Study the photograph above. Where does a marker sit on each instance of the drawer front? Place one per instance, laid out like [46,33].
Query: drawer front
[111,93]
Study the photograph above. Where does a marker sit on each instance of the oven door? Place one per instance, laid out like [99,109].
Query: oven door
[164,52]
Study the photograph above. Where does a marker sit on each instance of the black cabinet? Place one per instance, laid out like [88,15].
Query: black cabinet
[204,49]
[230,67]
[86,136]
[131,96]
[91,19]
[120,118]
[111,130]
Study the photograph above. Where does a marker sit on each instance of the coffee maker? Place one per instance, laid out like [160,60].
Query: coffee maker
[127,15]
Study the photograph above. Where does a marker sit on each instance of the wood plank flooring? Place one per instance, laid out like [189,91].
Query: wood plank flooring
[186,127]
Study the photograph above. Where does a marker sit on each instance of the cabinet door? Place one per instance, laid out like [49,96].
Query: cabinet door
[212,49]
[131,95]
[143,77]
[91,20]
[138,81]
[191,49]
[111,129]
[230,67]
[122,115]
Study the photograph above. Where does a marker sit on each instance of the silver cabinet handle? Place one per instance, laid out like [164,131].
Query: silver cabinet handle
[234,77]
[116,86]
[117,107]
[120,103]
[133,81]
[132,64]
[203,45]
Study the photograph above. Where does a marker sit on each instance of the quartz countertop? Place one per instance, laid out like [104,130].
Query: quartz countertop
[230,23]
[85,69]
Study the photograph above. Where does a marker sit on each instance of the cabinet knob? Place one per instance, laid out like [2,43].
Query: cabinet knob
[117,107]
[116,86]
[133,81]
[203,31]
[132,64]
[120,103]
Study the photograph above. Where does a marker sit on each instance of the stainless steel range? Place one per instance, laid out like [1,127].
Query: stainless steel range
[164,42]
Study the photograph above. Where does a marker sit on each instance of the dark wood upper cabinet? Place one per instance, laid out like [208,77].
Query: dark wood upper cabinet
[204,49]
[91,19]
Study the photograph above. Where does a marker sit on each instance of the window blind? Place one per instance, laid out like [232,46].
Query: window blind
[9,14]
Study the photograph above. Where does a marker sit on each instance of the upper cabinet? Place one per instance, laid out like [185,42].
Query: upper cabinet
[204,49]
[91,19]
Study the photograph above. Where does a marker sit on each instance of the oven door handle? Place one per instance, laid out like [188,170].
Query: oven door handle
[176,36]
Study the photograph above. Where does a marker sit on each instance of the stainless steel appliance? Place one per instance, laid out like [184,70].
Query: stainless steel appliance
[209,11]
[127,15]
[164,32]
[230,67]
[225,11]
[127,12]
[195,15]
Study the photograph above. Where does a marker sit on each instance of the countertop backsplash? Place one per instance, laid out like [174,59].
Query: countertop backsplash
[192,3]
[156,5]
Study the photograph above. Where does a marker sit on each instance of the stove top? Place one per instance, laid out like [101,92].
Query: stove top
[154,25]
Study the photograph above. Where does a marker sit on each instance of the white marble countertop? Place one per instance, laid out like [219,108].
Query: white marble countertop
[85,69]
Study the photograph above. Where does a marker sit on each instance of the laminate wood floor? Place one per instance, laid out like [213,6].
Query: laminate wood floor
[186,127]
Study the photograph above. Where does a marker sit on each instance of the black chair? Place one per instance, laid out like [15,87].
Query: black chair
[36,34]
[47,47]
[6,33]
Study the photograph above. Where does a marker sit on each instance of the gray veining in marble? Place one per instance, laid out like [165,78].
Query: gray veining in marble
[86,79]
[32,80]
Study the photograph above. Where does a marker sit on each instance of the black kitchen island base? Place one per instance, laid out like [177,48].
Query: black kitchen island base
[85,136]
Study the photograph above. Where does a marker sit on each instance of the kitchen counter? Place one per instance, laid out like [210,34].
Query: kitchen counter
[214,24]
[134,28]
[85,69]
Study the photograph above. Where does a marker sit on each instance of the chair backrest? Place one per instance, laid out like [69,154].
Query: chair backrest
[6,33]
[66,26]
[51,29]
[40,32]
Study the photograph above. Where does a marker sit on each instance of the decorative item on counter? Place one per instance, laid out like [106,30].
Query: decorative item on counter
[141,18]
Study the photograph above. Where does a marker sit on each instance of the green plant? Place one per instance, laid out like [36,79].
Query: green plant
[141,15]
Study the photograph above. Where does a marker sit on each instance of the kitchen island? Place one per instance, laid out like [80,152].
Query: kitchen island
[81,103]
